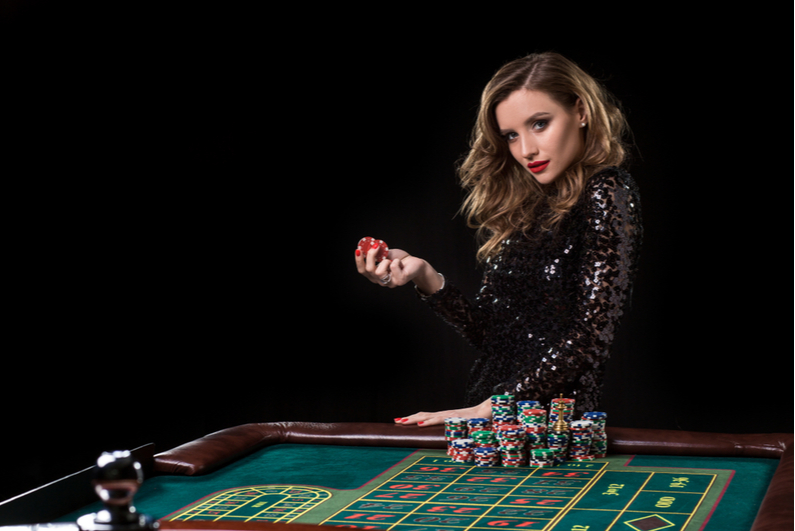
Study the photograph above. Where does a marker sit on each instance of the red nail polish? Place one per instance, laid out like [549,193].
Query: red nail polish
[420,422]
[358,252]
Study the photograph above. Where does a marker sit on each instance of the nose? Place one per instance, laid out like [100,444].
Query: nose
[528,146]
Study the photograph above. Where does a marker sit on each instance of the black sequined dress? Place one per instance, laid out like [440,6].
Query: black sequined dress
[551,301]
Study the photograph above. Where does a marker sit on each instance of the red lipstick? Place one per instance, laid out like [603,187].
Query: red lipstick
[538,166]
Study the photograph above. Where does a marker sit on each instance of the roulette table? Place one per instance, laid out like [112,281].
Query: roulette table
[296,476]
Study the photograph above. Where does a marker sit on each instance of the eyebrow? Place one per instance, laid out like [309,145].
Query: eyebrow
[530,120]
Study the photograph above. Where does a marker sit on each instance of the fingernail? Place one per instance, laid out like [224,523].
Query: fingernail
[420,422]
[358,252]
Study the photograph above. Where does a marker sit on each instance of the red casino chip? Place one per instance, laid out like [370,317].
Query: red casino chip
[367,243]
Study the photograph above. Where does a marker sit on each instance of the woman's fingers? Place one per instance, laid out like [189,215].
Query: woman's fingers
[404,270]
[432,421]
[429,419]
[387,272]
[359,258]
[366,265]
[421,419]
[425,419]
[391,272]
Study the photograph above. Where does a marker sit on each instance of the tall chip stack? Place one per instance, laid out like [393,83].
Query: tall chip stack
[534,421]
[598,432]
[564,405]
[561,411]
[455,428]
[503,410]
[558,442]
[512,439]
[580,444]
[486,448]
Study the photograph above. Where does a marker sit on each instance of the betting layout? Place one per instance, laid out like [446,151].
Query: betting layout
[436,493]
[431,492]
[258,503]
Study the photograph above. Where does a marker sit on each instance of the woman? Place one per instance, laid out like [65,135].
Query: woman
[560,227]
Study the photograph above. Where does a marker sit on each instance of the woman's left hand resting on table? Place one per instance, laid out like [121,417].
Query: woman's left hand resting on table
[482,410]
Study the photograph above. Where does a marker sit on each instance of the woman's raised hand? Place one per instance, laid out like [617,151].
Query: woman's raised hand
[399,268]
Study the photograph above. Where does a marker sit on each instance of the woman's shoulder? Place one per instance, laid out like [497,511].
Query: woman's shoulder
[612,178]
[612,191]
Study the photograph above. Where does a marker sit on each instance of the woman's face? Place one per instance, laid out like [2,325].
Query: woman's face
[544,137]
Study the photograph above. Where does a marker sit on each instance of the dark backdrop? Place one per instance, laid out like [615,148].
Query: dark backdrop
[185,190]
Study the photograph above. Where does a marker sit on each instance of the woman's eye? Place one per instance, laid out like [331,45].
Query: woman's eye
[510,137]
[539,125]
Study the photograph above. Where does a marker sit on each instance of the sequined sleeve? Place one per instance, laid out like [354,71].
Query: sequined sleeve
[470,320]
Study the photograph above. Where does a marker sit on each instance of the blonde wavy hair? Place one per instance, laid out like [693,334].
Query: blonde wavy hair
[502,197]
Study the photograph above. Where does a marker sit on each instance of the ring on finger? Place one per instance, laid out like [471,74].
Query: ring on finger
[386,278]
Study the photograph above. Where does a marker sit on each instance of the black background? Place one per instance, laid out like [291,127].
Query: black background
[184,190]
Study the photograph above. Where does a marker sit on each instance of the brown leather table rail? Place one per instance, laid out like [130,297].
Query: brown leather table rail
[217,449]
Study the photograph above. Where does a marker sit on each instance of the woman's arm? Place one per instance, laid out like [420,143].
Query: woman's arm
[400,268]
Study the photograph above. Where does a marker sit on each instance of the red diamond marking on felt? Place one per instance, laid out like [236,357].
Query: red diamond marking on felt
[649,523]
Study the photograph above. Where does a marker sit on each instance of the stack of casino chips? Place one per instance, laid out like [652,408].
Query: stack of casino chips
[534,421]
[512,439]
[455,428]
[541,458]
[478,424]
[523,405]
[566,404]
[484,438]
[513,458]
[558,442]
[522,434]
[486,448]
[462,450]
[503,410]
[486,456]
[580,444]
[598,432]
